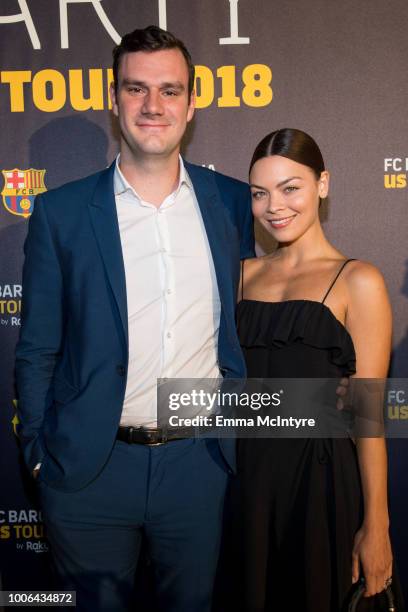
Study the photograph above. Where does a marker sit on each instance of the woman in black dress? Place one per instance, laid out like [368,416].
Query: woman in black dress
[313,512]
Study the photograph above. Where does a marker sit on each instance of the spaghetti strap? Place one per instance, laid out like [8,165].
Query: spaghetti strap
[242,279]
[335,278]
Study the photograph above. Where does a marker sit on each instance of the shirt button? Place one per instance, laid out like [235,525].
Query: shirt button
[168,290]
[168,334]
[121,370]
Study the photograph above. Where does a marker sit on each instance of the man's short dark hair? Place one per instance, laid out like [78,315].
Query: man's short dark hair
[151,39]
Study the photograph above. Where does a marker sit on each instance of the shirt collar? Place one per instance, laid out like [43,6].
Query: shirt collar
[121,185]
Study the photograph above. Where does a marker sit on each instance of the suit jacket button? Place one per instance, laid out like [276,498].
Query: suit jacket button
[121,370]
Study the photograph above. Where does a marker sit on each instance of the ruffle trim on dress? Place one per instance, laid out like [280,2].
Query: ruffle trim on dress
[278,324]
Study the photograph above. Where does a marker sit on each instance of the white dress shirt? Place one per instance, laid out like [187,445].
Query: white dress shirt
[172,294]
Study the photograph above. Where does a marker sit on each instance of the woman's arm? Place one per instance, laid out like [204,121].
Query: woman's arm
[369,322]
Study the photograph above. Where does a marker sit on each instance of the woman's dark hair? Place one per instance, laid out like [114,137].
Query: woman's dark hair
[293,144]
[151,39]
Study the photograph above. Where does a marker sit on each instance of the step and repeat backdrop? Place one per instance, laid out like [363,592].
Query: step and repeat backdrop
[334,69]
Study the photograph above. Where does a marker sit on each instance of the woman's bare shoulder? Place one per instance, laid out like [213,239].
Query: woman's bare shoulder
[362,276]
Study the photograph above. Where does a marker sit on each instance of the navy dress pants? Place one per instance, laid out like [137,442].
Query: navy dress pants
[170,494]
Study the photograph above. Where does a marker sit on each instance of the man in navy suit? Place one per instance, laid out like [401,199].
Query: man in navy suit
[131,275]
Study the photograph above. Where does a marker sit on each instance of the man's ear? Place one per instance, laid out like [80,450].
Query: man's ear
[112,94]
[191,106]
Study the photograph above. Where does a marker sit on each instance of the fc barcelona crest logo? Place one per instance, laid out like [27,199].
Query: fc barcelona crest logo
[20,189]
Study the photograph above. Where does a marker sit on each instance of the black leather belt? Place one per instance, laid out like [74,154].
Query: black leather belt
[150,435]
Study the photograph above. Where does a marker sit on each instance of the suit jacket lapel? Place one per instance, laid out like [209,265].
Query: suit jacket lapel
[105,223]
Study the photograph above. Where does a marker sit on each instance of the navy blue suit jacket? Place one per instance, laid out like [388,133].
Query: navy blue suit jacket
[72,354]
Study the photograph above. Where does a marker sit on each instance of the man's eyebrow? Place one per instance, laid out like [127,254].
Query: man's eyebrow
[133,82]
[167,85]
[175,85]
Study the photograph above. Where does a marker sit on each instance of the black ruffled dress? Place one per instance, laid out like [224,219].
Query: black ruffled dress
[299,500]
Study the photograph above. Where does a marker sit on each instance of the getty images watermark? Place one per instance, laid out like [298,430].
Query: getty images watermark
[221,399]
[300,408]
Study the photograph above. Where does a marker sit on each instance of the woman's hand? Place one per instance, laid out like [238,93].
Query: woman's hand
[372,551]
[369,322]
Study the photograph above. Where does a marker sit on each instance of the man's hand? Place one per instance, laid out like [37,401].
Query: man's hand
[341,392]
[36,471]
